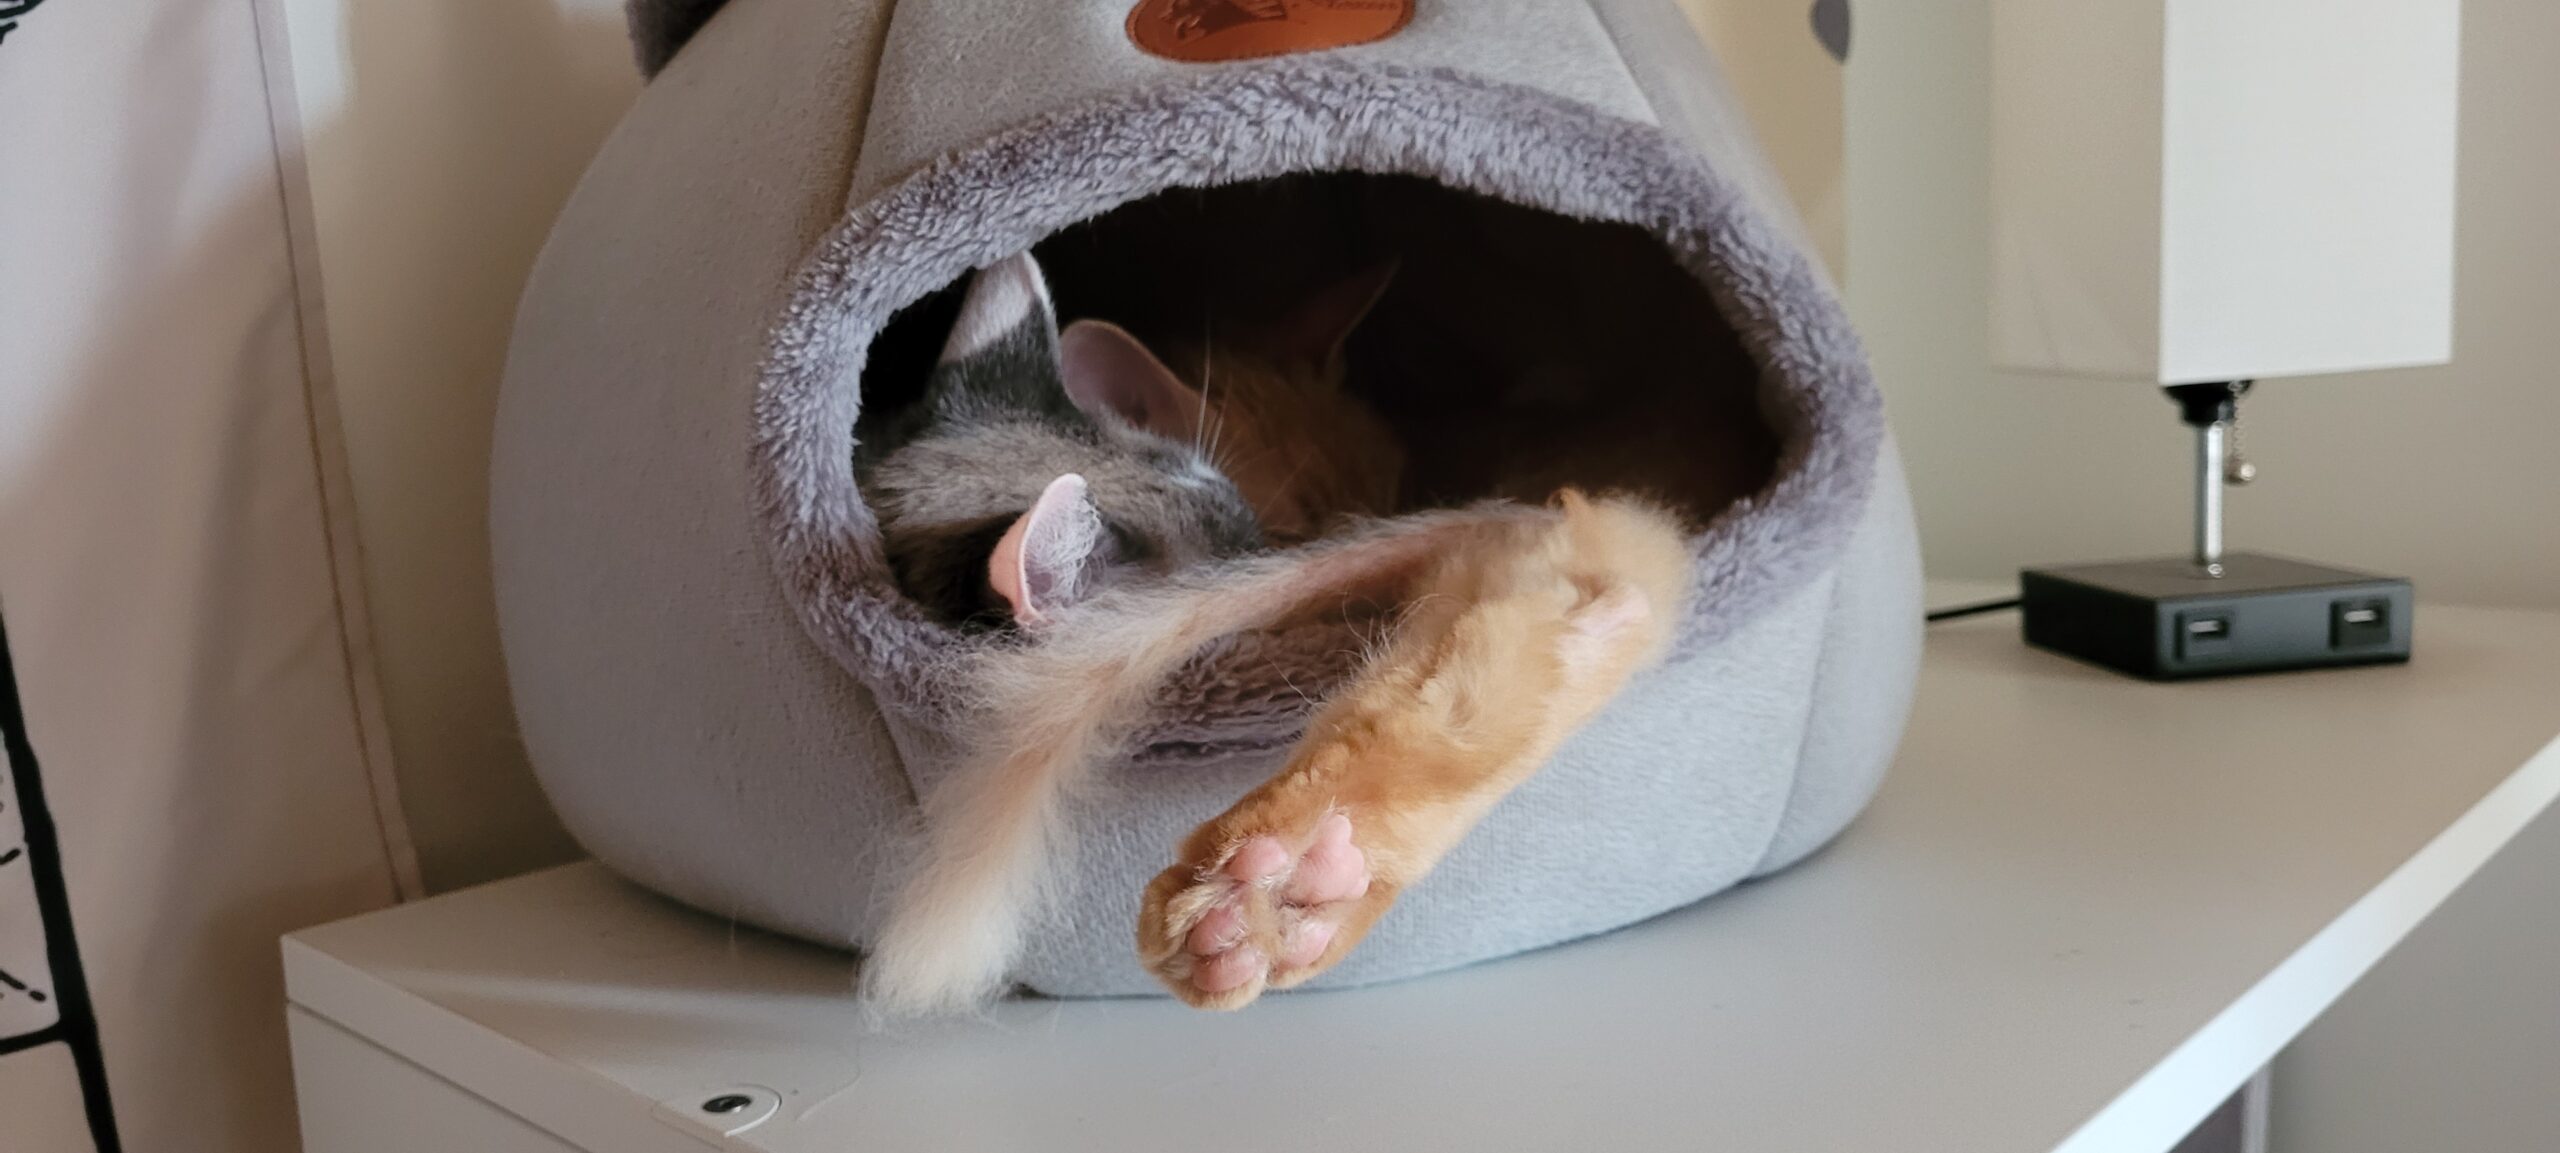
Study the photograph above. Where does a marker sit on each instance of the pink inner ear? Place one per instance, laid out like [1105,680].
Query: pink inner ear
[1004,571]
[1038,564]
[1108,370]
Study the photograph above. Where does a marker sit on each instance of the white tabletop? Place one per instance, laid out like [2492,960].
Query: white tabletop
[2083,910]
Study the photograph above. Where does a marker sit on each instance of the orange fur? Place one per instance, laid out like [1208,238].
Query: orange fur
[1515,638]
[992,827]
[1302,451]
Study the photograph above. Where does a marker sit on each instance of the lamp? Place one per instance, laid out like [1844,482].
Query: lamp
[2202,194]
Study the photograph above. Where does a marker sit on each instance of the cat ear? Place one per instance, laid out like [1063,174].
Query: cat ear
[1049,558]
[1108,370]
[1315,331]
[1007,297]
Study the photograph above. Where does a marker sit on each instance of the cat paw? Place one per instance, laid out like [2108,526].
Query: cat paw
[1269,911]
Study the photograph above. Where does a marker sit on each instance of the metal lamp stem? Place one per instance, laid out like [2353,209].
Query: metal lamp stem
[2209,445]
[2210,408]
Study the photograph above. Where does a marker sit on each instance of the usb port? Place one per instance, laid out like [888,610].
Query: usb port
[2363,622]
[2203,633]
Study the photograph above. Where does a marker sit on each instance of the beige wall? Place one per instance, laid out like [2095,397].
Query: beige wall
[2451,475]
[1794,93]
[442,138]
[2445,474]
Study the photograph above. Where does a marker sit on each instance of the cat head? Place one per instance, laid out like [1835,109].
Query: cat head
[1090,454]
[1277,419]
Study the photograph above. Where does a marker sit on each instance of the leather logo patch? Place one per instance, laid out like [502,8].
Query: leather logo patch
[1208,31]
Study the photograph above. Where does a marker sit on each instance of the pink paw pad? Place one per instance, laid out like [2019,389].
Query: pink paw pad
[1295,887]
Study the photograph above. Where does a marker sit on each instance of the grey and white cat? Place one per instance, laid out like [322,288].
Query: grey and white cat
[1040,466]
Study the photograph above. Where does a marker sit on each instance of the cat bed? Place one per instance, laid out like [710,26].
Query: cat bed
[730,701]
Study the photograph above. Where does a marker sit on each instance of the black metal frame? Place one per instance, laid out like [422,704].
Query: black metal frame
[76,1024]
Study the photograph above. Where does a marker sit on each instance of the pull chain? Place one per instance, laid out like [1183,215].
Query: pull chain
[2236,467]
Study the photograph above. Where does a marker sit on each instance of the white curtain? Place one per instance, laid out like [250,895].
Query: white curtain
[177,586]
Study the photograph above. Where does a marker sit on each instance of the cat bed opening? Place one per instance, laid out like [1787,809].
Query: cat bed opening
[1512,351]
[730,700]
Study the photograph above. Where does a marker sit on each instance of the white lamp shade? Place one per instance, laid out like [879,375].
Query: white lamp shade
[2187,191]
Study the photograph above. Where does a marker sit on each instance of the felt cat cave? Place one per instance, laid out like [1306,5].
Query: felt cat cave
[729,698]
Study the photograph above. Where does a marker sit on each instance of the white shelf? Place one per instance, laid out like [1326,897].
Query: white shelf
[2082,912]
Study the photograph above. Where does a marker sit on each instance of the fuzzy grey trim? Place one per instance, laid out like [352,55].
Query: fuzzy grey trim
[659,27]
[1256,121]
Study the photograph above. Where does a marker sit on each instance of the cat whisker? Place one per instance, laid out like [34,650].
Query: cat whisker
[1219,456]
[1208,384]
[1297,470]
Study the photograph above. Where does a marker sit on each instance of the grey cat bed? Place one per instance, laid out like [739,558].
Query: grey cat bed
[728,700]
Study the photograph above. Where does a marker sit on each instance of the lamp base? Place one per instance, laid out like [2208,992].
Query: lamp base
[2169,620]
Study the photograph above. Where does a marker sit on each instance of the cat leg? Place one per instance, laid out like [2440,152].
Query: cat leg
[1503,658]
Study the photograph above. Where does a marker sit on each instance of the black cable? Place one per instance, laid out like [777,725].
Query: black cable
[1972,610]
